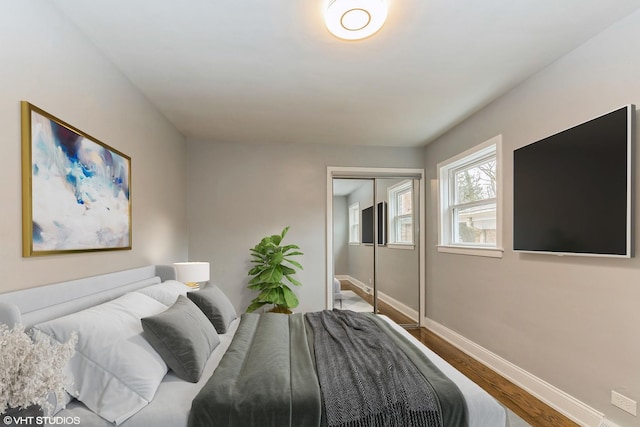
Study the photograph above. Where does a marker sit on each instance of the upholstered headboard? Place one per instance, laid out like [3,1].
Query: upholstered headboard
[31,306]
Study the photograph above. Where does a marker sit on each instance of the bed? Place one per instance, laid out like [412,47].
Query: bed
[168,402]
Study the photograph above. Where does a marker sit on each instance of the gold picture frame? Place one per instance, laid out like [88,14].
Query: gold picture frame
[76,190]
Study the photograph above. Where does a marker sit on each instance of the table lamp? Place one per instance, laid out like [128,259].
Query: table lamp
[190,273]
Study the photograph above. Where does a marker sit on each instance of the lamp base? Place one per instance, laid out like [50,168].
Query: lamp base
[193,285]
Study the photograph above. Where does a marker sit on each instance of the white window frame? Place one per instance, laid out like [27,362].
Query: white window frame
[392,223]
[446,237]
[354,208]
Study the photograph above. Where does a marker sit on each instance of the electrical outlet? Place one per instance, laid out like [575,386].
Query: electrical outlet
[623,402]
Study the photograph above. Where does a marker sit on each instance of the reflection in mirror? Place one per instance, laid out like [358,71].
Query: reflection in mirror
[397,261]
[353,259]
[384,275]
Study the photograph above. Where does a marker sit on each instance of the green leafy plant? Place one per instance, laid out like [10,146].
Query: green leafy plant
[273,266]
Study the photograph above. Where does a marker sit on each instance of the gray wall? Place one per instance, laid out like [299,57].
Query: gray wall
[237,193]
[572,321]
[340,235]
[47,62]
[361,256]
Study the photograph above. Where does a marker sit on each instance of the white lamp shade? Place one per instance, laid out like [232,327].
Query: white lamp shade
[192,272]
[355,19]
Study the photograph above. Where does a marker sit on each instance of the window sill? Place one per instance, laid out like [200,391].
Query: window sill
[354,243]
[406,246]
[473,251]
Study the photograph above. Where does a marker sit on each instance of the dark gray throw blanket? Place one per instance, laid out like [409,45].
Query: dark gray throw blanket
[368,373]
[367,379]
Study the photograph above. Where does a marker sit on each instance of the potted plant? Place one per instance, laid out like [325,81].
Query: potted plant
[273,266]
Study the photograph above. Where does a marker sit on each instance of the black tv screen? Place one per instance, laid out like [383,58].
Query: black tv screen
[572,191]
[367,225]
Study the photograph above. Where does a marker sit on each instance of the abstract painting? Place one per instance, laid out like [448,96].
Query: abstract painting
[76,190]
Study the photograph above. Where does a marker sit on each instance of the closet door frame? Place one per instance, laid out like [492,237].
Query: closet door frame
[372,173]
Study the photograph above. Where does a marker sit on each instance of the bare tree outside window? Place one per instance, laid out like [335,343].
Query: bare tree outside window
[475,193]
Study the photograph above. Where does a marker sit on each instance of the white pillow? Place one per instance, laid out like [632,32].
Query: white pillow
[166,292]
[115,371]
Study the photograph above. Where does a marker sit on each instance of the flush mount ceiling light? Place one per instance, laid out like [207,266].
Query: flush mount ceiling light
[355,19]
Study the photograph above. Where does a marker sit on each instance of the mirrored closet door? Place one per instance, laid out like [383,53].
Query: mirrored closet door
[397,262]
[376,251]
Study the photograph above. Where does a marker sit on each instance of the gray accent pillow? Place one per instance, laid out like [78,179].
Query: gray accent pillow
[183,337]
[215,305]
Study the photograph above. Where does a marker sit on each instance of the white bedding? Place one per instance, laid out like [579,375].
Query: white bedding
[172,402]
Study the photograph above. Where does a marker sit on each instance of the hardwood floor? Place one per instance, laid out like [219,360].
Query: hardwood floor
[510,395]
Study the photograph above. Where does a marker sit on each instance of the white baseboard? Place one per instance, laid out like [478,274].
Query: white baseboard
[356,282]
[562,402]
[607,423]
[397,305]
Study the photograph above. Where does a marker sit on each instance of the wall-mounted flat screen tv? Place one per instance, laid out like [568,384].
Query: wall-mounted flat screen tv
[572,191]
[367,225]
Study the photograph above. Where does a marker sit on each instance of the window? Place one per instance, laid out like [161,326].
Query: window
[400,198]
[470,200]
[354,223]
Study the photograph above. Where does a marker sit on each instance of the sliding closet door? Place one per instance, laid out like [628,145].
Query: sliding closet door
[353,249]
[397,252]
[376,254]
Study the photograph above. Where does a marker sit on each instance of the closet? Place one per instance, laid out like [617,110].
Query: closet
[376,248]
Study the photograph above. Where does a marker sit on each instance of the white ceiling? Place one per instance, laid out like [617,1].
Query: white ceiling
[344,187]
[269,71]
